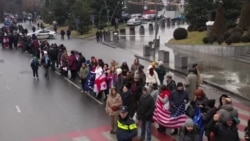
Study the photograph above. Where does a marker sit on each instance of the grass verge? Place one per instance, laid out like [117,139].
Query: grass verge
[195,38]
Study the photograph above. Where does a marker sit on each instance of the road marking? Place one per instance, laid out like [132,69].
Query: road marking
[78,87]
[18,109]
[72,83]
[99,102]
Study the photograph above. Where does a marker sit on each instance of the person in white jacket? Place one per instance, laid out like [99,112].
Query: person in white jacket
[152,76]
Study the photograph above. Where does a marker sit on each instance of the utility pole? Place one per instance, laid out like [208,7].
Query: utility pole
[156,30]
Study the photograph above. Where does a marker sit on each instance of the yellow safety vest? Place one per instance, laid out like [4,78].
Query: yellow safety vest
[126,127]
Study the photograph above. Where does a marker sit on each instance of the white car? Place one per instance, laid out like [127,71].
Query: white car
[133,22]
[44,34]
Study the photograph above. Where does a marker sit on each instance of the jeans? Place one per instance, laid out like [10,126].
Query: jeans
[83,84]
[146,127]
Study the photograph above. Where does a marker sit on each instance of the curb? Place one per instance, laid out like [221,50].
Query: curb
[204,81]
[184,74]
[108,45]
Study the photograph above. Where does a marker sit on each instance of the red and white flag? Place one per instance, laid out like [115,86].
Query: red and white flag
[100,83]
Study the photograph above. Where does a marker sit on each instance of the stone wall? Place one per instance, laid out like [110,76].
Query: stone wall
[223,51]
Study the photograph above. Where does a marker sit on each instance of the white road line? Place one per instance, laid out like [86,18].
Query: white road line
[99,102]
[18,109]
[79,88]
[72,83]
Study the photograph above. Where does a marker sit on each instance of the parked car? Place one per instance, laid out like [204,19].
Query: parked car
[43,34]
[134,22]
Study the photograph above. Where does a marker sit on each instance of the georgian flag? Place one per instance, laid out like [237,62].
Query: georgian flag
[100,83]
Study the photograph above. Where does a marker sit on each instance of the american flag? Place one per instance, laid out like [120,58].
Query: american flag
[173,118]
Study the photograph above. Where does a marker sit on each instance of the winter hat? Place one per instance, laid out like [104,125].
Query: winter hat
[160,63]
[119,71]
[179,84]
[189,122]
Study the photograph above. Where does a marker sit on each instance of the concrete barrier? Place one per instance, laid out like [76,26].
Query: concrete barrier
[123,33]
[168,23]
[132,30]
[115,36]
[181,61]
[173,23]
[146,50]
[223,51]
[142,30]
[163,24]
[163,56]
[150,27]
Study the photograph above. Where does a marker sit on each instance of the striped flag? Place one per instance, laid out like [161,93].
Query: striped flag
[174,119]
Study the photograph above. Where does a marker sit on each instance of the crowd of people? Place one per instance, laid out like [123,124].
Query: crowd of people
[135,93]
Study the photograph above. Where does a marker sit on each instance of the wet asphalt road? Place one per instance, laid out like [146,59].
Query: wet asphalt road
[33,109]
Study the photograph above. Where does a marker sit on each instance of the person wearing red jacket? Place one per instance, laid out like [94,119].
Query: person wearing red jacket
[73,65]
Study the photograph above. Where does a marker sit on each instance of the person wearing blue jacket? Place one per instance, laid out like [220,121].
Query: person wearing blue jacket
[126,127]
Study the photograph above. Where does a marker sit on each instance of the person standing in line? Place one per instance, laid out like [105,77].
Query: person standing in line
[73,65]
[160,71]
[113,103]
[83,73]
[191,83]
[145,114]
[35,65]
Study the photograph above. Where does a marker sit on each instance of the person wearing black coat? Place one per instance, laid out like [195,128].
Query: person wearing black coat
[208,116]
[171,85]
[224,129]
[81,59]
[145,113]
[126,99]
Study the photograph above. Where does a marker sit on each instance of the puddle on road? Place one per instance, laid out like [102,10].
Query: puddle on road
[1,60]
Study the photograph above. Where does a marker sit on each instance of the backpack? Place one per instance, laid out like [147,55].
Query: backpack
[34,63]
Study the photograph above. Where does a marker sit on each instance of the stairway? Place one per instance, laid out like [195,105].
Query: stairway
[245,58]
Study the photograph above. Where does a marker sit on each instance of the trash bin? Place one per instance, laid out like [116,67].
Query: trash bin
[150,27]
[209,25]
[115,36]
[123,33]
[132,30]
[142,30]
[146,50]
